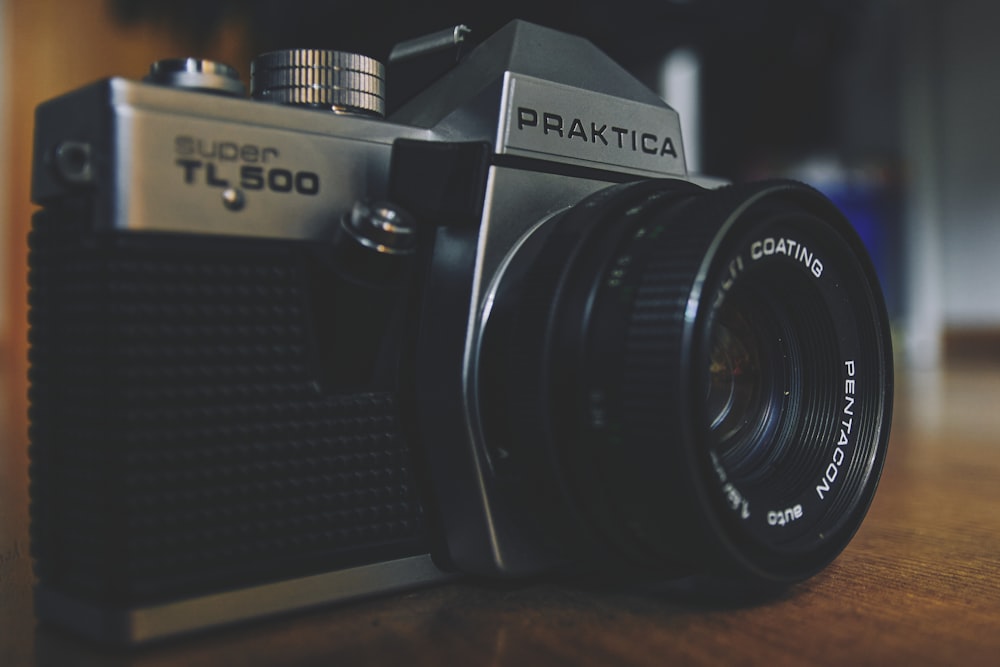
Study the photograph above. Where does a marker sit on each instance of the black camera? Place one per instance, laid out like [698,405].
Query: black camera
[286,352]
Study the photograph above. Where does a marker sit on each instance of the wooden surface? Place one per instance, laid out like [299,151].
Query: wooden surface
[920,584]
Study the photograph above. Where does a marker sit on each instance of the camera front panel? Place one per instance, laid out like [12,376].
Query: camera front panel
[214,416]
[496,513]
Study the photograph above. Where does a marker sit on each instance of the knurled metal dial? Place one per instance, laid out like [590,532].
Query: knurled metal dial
[335,80]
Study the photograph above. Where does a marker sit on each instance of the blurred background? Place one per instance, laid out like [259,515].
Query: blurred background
[888,106]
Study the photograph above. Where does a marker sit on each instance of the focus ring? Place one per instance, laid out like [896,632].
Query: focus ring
[632,338]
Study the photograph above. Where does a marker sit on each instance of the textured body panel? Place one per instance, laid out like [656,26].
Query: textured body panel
[184,437]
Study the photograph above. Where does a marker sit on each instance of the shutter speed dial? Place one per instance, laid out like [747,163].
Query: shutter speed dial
[333,80]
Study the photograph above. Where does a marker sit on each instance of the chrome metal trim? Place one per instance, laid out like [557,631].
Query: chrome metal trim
[139,625]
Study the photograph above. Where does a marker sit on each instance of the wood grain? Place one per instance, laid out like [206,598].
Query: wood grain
[920,584]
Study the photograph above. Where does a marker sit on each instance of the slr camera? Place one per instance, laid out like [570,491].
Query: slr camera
[286,351]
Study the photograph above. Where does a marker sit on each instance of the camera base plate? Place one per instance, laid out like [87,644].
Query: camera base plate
[139,625]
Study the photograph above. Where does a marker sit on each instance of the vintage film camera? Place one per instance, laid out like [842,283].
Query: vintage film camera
[286,352]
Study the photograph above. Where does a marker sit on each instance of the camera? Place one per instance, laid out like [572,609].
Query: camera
[286,351]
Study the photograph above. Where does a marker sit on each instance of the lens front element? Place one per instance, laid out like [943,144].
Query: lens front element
[741,384]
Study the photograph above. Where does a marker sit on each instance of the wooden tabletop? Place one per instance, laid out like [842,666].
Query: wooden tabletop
[920,584]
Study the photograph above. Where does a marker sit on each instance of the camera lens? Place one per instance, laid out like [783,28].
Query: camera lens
[704,375]
[737,385]
[742,379]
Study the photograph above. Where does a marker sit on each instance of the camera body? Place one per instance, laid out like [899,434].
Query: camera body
[209,443]
[285,354]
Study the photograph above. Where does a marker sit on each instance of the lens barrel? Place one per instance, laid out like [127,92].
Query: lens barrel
[706,375]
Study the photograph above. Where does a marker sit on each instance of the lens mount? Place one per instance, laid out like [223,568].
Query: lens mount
[708,374]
